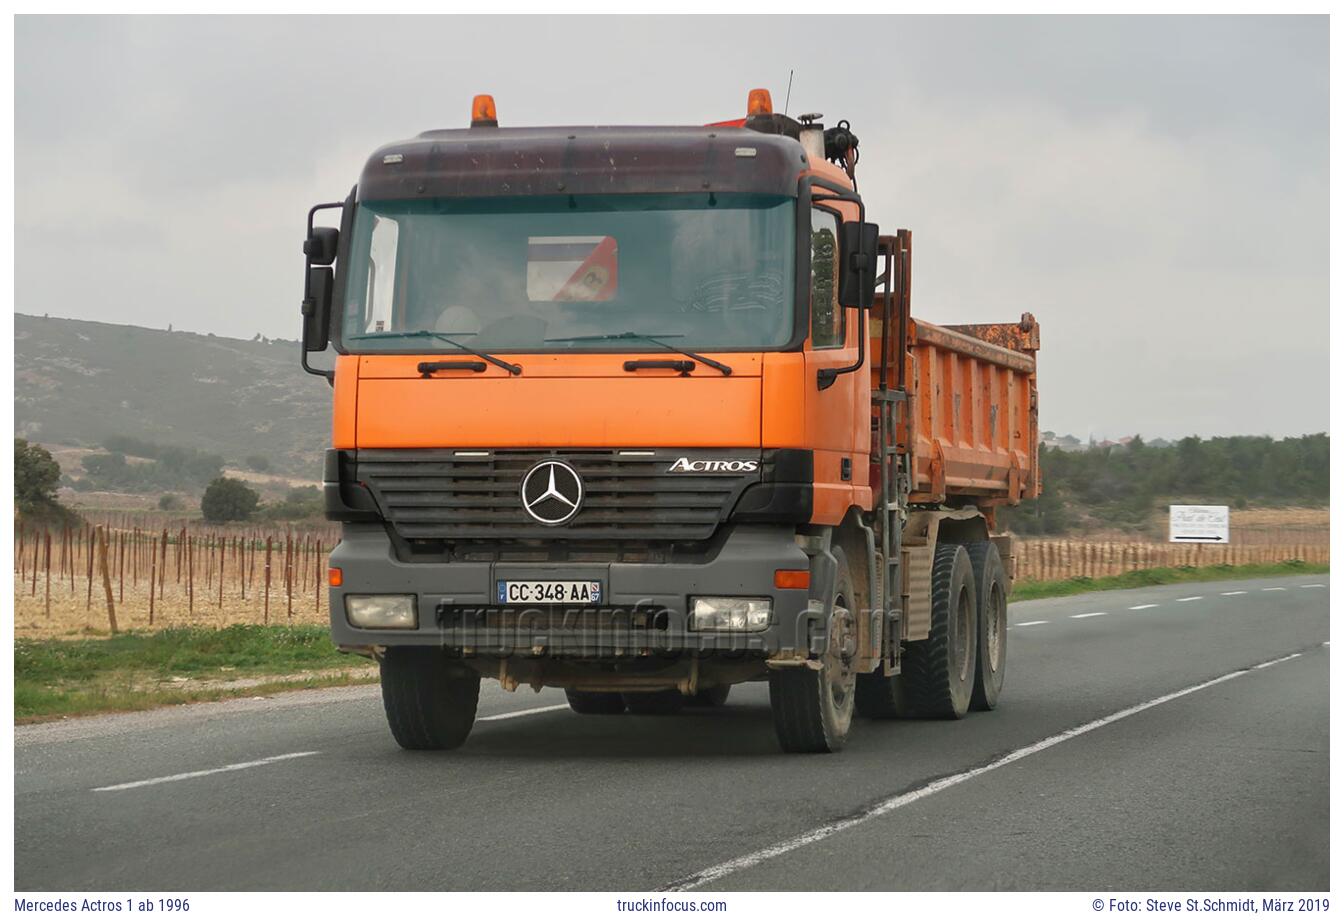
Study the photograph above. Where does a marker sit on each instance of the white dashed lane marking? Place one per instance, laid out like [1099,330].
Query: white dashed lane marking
[1273,589]
[523,712]
[1084,616]
[1033,623]
[195,773]
[1232,593]
[1197,597]
[1143,607]
[1311,586]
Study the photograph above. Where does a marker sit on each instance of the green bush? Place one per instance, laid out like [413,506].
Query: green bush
[37,476]
[228,499]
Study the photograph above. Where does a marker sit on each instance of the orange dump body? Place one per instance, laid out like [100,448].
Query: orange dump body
[969,425]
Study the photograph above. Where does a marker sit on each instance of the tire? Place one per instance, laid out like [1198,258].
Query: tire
[877,696]
[658,703]
[711,696]
[595,704]
[814,709]
[430,702]
[938,673]
[991,656]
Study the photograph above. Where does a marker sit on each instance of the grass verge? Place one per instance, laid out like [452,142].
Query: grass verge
[55,678]
[1032,590]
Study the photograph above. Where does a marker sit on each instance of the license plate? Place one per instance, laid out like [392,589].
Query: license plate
[549,592]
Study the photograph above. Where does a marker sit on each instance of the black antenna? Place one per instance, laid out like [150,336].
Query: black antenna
[788,92]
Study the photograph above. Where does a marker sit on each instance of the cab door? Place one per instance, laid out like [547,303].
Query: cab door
[836,428]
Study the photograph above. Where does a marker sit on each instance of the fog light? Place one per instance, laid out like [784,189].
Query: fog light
[740,613]
[381,611]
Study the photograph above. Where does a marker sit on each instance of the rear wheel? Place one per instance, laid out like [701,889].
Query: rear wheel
[430,701]
[991,590]
[938,673]
[595,704]
[710,696]
[813,709]
[658,703]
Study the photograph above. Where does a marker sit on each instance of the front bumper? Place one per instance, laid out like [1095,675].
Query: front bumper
[643,612]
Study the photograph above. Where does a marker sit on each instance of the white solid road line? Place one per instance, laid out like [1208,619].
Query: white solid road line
[1265,664]
[887,806]
[1084,616]
[1197,597]
[195,773]
[1032,623]
[1143,607]
[1232,593]
[523,712]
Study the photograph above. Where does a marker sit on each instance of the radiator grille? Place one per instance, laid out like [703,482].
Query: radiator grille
[438,494]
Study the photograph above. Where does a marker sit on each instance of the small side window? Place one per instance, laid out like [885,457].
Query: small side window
[828,319]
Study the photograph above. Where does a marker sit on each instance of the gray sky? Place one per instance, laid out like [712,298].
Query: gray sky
[1155,189]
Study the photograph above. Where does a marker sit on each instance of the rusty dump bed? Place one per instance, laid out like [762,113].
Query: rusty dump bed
[969,423]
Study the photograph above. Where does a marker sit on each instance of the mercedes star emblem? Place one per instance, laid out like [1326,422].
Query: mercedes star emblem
[552,492]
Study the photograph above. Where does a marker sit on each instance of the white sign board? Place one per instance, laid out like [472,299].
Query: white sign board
[1199,524]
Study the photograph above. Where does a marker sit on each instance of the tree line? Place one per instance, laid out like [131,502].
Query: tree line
[1121,486]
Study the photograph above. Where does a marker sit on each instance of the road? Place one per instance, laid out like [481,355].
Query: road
[1137,747]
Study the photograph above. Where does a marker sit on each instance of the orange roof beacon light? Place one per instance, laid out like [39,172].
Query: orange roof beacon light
[483,112]
[758,103]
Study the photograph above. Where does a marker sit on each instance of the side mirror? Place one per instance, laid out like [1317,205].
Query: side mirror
[320,247]
[858,264]
[317,309]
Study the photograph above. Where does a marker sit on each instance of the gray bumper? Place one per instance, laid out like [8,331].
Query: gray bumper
[643,610]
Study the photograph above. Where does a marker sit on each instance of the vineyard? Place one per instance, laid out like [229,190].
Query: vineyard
[122,572]
[1056,560]
[140,572]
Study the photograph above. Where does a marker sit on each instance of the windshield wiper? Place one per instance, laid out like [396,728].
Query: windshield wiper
[657,340]
[430,333]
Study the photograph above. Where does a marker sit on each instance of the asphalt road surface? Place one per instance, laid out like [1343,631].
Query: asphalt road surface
[1166,738]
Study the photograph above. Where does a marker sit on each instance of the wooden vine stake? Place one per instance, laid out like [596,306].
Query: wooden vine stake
[107,580]
[266,606]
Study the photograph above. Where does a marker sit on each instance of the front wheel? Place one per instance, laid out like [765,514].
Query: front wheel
[430,701]
[813,709]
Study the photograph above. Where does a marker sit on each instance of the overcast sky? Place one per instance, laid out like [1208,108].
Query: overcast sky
[1154,190]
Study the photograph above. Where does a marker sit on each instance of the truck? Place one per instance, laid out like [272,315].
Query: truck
[642,413]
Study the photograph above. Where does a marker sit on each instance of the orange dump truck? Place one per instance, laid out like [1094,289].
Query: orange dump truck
[641,413]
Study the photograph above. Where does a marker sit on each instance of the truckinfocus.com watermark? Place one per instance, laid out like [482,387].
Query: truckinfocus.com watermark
[673,905]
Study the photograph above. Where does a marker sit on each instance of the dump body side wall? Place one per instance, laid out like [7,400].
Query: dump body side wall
[969,423]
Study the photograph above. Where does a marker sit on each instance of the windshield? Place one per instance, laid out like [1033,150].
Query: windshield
[555,274]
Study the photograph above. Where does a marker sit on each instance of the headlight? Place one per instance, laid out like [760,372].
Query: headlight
[739,613]
[381,611]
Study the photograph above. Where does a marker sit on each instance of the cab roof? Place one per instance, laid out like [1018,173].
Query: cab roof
[483,162]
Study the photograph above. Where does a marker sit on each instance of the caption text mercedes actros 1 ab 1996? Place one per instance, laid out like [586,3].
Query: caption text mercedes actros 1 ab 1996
[641,412]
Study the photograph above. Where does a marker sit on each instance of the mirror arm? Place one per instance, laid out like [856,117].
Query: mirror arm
[827,375]
[307,309]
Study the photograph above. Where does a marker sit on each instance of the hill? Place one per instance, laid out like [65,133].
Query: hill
[77,383]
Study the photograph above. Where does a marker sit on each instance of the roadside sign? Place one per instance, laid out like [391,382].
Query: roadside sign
[1199,524]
